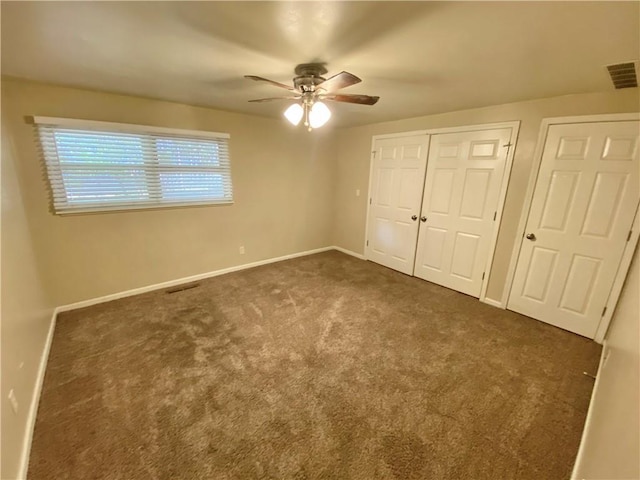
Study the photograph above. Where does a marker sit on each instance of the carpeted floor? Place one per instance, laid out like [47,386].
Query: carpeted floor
[322,367]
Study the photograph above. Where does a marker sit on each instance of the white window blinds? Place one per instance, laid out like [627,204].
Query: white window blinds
[99,166]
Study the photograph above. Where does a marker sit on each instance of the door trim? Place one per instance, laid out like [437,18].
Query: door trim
[526,208]
[515,130]
[619,280]
[474,128]
[398,135]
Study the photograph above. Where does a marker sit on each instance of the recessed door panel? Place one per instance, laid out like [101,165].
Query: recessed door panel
[465,249]
[585,199]
[464,174]
[447,150]
[572,148]
[435,238]
[384,187]
[474,193]
[560,195]
[604,203]
[484,149]
[404,233]
[409,187]
[412,151]
[387,153]
[541,267]
[440,201]
[620,148]
[398,170]
[579,285]
[383,237]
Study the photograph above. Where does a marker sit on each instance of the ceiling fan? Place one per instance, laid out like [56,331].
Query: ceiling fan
[312,89]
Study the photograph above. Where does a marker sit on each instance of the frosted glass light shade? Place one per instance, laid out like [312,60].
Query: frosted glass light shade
[294,113]
[319,115]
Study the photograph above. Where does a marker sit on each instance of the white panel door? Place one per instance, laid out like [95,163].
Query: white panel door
[585,198]
[396,190]
[464,175]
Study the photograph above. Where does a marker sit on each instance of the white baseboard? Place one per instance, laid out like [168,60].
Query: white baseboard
[180,281]
[33,409]
[493,303]
[349,252]
[589,418]
[35,400]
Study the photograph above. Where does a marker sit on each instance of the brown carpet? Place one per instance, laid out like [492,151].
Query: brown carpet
[322,367]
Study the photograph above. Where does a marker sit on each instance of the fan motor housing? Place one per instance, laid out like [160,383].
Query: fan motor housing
[308,75]
[307,83]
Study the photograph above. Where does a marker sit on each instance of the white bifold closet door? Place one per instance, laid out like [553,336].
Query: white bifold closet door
[462,189]
[396,188]
[583,206]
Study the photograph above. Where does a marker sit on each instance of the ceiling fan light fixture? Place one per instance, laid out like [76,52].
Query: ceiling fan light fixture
[294,113]
[312,89]
[319,115]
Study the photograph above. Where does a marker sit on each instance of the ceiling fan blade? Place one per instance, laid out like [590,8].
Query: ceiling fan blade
[338,81]
[258,100]
[360,99]
[272,82]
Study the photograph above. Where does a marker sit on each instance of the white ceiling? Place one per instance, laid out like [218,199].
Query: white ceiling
[419,57]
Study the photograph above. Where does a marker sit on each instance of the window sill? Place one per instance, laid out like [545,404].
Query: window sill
[129,208]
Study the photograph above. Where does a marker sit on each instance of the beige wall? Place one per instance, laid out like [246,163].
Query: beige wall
[282,179]
[354,147]
[293,192]
[26,312]
[611,446]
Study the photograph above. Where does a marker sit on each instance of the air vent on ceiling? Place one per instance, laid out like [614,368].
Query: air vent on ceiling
[623,75]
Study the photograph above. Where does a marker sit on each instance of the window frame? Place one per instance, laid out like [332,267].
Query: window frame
[134,129]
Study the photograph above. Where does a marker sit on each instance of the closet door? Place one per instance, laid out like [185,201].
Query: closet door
[464,176]
[585,199]
[397,181]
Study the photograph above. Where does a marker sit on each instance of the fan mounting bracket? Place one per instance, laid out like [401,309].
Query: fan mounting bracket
[310,70]
[308,76]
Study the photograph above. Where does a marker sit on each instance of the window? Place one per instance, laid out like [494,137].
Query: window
[100,166]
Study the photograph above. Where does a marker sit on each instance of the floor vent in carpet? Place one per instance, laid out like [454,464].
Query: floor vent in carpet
[182,288]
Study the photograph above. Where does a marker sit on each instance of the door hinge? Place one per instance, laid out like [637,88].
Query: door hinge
[495,214]
[604,310]
[483,275]
[508,147]
[629,235]
[367,243]
[369,201]
[374,154]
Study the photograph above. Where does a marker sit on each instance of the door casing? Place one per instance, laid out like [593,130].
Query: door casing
[515,128]
[524,217]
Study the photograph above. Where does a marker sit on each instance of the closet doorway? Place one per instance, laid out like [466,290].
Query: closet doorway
[452,196]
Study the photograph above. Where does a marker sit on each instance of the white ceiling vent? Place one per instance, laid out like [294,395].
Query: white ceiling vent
[623,75]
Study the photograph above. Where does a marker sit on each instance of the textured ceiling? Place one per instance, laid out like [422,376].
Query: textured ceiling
[419,57]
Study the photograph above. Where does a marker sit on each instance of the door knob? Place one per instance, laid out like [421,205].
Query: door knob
[423,219]
[414,217]
[531,236]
